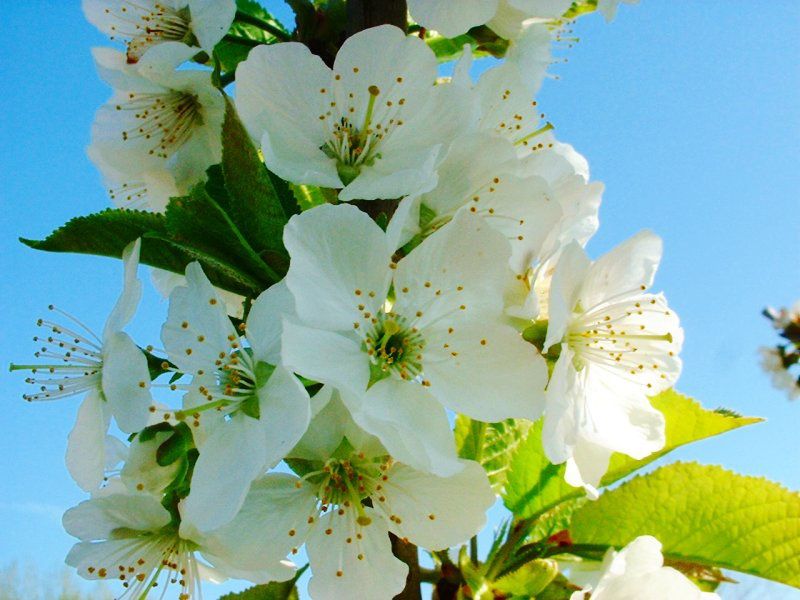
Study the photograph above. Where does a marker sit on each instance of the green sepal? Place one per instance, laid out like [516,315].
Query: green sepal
[176,446]
[148,433]
[251,407]
[263,372]
[302,466]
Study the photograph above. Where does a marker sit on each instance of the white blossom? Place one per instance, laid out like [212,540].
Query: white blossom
[506,17]
[133,539]
[373,125]
[110,369]
[636,572]
[159,119]
[247,408]
[482,174]
[142,24]
[437,342]
[618,346]
[772,364]
[347,540]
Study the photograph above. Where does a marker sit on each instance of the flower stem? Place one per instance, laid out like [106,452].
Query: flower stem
[407,552]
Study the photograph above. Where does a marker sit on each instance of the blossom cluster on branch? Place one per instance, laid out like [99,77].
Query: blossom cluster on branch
[360,256]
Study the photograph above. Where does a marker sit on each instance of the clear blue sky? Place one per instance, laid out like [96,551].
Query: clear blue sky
[688,111]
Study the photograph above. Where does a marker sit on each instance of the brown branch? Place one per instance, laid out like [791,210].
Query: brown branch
[407,552]
[362,14]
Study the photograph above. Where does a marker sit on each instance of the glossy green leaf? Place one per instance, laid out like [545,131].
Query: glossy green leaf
[490,444]
[253,202]
[533,484]
[704,515]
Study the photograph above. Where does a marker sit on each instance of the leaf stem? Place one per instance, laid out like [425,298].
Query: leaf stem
[277,32]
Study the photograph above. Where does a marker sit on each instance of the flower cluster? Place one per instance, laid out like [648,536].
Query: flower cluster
[779,361]
[447,275]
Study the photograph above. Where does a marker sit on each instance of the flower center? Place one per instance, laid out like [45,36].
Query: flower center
[355,145]
[145,26]
[632,335]
[393,347]
[345,482]
[152,560]
[162,121]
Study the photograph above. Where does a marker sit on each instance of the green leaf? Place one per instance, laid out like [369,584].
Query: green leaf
[202,228]
[704,515]
[229,52]
[275,590]
[535,486]
[687,421]
[254,204]
[108,232]
[490,444]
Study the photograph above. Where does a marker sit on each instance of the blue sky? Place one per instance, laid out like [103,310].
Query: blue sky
[687,111]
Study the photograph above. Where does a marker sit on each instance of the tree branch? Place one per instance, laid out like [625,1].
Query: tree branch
[407,552]
[362,14]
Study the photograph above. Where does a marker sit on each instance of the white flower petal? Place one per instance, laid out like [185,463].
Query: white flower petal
[197,325]
[128,301]
[325,357]
[273,520]
[461,265]
[410,423]
[230,459]
[619,416]
[565,398]
[437,512]
[403,172]
[570,271]
[278,96]
[452,17]
[284,414]
[98,518]
[332,423]
[141,472]
[487,372]
[365,563]
[86,443]
[631,266]
[265,322]
[339,266]
[211,20]
[359,66]
[126,382]
[531,54]
[586,467]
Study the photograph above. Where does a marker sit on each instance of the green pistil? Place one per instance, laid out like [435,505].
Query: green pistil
[540,131]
